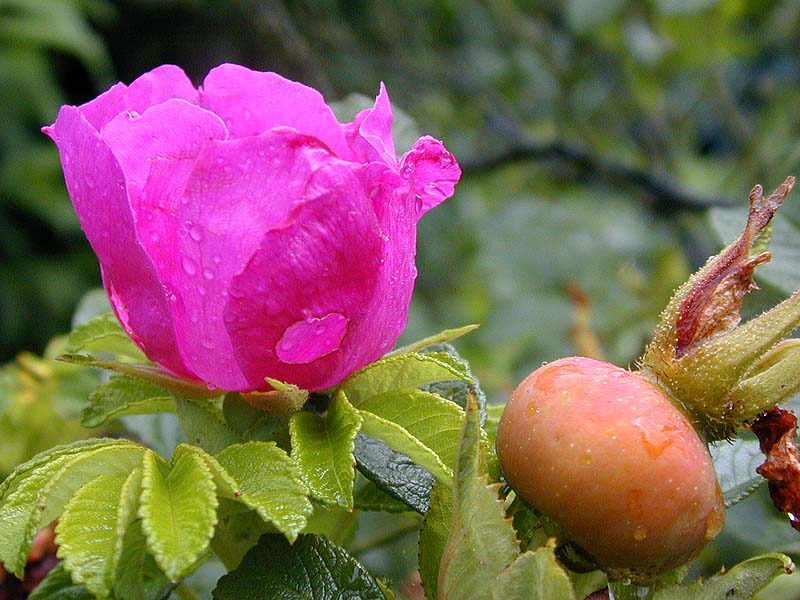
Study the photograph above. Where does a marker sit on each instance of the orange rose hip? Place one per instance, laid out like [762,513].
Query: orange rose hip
[605,454]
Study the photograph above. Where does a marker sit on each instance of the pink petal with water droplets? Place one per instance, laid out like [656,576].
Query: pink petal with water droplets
[251,102]
[331,256]
[375,126]
[234,192]
[154,87]
[96,185]
[431,171]
[312,338]
[174,131]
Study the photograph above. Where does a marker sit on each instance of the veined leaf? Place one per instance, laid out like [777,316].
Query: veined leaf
[103,334]
[739,583]
[322,446]
[178,510]
[58,585]
[400,440]
[735,464]
[138,577]
[204,425]
[448,335]
[481,542]
[262,477]
[428,417]
[91,529]
[251,423]
[433,537]
[534,576]
[151,373]
[369,497]
[36,493]
[312,568]
[394,473]
[123,395]
[401,372]
[236,534]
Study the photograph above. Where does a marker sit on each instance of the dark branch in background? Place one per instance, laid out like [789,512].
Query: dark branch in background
[273,21]
[665,192]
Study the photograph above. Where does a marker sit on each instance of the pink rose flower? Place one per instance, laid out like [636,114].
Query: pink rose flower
[242,231]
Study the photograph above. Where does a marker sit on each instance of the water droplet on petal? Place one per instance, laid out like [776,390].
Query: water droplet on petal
[195,233]
[188,266]
[208,274]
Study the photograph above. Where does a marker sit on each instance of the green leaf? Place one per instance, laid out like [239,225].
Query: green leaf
[204,425]
[249,422]
[103,334]
[369,497]
[261,476]
[481,542]
[322,446]
[36,493]
[735,464]
[534,576]
[91,529]
[429,418]
[312,569]
[150,373]
[493,414]
[138,577]
[433,538]
[236,534]
[400,440]
[178,510]
[58,585]
[123,395]
[401,372]
[739,583]
[393,473]
[448,335]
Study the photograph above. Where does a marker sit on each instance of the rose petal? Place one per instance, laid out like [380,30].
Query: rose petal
[251,102]
[375,127]
[206,232]
[174,130]
[330,257]
[96,185]
[154,87]
[307,340]
[432,172]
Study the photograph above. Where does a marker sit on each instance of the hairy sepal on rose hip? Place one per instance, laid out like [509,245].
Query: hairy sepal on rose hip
[723,373]
[610,459]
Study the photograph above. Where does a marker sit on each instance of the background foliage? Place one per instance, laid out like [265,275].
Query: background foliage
[596,138]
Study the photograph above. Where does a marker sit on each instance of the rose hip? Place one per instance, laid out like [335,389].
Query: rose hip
[605,455]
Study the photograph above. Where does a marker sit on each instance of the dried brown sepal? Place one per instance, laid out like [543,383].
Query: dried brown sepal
[776,430]
[713,303]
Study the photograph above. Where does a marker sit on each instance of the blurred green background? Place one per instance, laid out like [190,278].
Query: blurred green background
[606,145]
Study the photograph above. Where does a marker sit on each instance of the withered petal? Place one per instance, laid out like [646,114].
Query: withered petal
[714,302]
[776,431]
